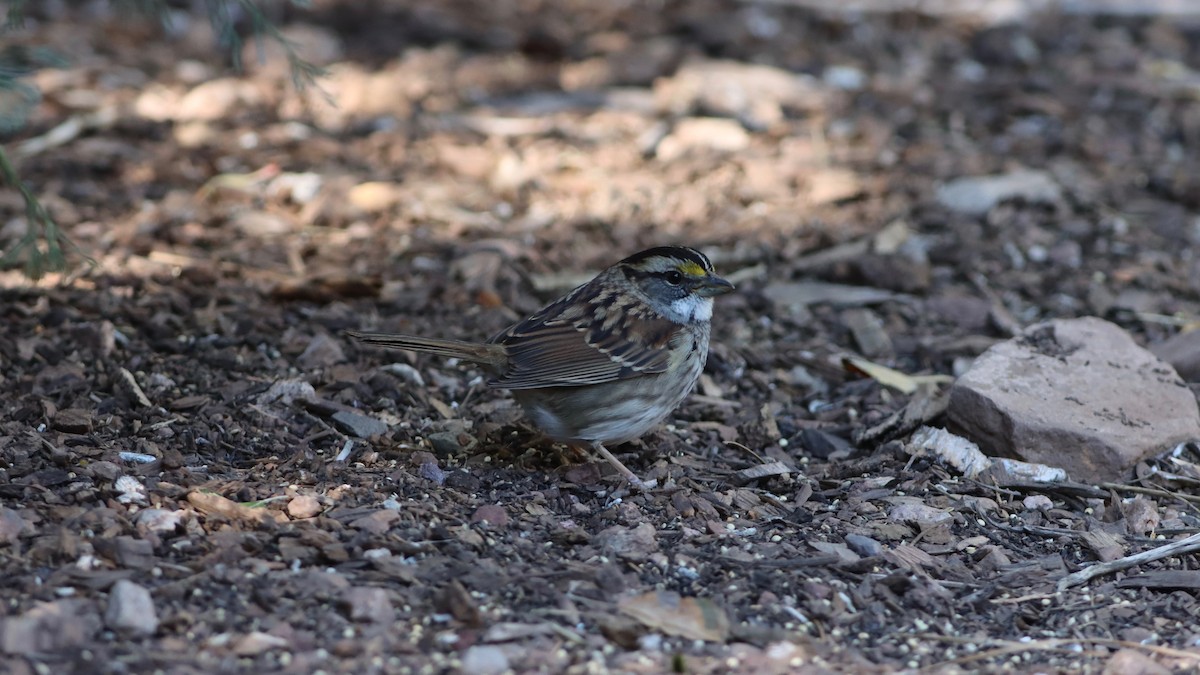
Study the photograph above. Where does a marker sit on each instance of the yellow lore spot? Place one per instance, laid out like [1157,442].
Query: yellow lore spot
[692,269]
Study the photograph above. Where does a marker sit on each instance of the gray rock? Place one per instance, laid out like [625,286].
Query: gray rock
[484,660]
[432,472]
[445,443]
[130,609]
[869,332]
[976,195]
[1183,352]
[104,470]
[368,604]
[322,351]
[1078,394]
[11,526]
[284,392]
[134,553]
[864,545]
[49,627]
[358,425]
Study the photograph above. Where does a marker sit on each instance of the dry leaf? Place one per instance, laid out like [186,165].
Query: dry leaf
[214,504]
[888,377]
[691,618]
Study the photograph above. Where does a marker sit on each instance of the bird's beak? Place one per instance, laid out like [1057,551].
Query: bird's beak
[713,285]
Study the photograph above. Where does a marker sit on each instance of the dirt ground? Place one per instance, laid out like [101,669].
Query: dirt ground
[186,414]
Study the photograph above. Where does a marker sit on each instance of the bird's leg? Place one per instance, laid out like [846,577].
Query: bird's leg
[575,453]
[621,468]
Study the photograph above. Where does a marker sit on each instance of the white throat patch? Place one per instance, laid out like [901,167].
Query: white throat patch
[692,309]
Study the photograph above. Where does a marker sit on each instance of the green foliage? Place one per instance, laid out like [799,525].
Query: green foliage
[43,244]
[15,15]
[221,16]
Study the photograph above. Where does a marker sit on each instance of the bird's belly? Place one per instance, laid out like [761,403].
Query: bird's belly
[613,412]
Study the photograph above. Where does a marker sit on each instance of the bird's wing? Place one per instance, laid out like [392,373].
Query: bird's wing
[578,341]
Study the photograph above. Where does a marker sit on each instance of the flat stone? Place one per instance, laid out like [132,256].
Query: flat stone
[134,553]
[11,526]
[629,543]
[304,506]
[869,332]
[492,514]
[976,195]
[322,352]
[1182,351]
[484,660]
[72,421]
[49,627]
[864,545]
[258,642]
[445,443]
[284,392]
[358,425]
[1078,394]
[378,522]
[130,609]
[368,604]
[104,470]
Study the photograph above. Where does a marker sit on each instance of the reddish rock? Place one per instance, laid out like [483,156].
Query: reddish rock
[1079,394]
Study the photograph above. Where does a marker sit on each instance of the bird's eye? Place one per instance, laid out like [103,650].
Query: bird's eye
[674,278]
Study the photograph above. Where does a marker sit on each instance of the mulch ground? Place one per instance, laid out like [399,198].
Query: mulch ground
[186,414]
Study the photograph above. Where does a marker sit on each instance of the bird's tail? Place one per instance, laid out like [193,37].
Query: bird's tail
[475,352]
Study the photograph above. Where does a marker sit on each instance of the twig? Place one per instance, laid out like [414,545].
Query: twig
[1006,647]
[752,453]
[1155,492]
[73,128]
[1182,547]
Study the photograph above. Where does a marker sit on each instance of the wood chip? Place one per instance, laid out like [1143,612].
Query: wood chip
[762,471]
[131,387]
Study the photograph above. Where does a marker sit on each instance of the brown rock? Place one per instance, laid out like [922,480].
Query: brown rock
[72,420]
[635,543]
[1133,662]
[130,609]
[303,506]
[492,514]
[368,604]
[377,522]
[1077,394]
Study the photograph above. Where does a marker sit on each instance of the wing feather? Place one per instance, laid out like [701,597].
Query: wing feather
[576,341]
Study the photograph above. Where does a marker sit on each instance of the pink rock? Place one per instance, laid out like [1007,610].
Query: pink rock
[1075,393]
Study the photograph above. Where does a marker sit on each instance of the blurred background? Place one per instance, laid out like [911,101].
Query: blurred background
[906,181]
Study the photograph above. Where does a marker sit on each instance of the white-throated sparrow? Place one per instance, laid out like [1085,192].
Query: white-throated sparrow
[608,361]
